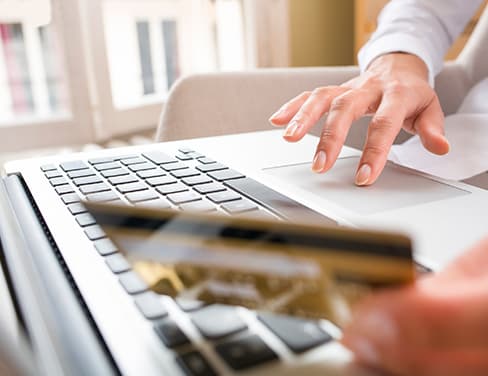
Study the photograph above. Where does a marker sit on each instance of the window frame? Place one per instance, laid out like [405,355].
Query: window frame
[77,126]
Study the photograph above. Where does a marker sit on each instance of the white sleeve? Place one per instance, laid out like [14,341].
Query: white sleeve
[426,28]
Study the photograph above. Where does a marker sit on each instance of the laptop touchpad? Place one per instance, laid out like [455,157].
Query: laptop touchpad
[397,187]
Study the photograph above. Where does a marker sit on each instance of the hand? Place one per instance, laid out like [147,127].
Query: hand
[394,88]
[437,327]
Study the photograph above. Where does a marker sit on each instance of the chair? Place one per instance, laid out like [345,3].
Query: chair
[224,103]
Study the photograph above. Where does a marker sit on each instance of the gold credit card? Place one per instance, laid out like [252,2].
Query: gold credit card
[294,269]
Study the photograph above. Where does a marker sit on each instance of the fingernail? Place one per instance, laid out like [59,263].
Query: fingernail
[364,351]
[291,129]
[363,175]
[319,161]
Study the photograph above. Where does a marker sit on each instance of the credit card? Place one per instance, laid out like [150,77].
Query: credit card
[286,268]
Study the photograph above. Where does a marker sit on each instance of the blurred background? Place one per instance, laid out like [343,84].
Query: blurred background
[99,73]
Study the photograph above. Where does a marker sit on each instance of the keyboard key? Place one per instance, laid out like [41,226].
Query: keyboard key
[195,155]
[95,232]
[73,165]
[162,180]
[70,198]
[185,173]
[160,203]
[48,167]
[211,167]
[194,364]
[206,160]
[183,197]
[298,334]
[189,305]
[155,172]
[174,166]
[132,283]
[151,306]
[245,352]
[225,196]
[277,203]
[117,263]
[141,167]
[209,188]
[146,195]
[198,206]
[196,180]
[77,208]
[58,181]
[115,172]
[159,157]
[185,150]
[93,179]
[132,161]
[103,197]
[64,189]
[94,188]
[240,206]
[85,219]
[121,157]
[124,179]
[183,157]
[81,173]
[53,174]
[225,175]
[132,187]
[170,333]
[95,161]
[105,247]
[217,321]
[172,188]
[107,166]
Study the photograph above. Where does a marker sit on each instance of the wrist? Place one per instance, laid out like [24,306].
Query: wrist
[400,62]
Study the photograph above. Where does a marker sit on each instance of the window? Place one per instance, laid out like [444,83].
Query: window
[104,67]
[33,83]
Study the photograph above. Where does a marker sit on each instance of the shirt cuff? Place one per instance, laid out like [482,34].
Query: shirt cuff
[396,43]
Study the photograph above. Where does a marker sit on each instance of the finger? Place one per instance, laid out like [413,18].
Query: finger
[288,110]
[430,127]
[382,131]
[433,362]
[452,317]
[344,110]
[317,104]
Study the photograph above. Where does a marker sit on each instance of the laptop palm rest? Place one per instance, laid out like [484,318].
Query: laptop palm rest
[396,188]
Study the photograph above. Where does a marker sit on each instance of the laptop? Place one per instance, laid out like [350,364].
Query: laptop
[98,315]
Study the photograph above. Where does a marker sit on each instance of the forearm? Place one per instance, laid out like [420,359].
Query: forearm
[425,28]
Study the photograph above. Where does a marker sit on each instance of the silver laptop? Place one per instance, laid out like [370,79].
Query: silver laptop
[105,319]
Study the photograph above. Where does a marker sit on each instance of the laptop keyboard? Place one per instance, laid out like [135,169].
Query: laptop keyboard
[187,181]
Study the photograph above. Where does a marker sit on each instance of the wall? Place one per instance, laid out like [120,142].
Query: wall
[322,32]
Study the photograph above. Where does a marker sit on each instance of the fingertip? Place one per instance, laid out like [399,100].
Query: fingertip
[277,122]
[436,143]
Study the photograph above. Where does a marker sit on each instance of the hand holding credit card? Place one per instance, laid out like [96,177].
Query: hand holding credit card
[294,269]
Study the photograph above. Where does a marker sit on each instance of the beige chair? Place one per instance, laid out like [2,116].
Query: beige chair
[224,103]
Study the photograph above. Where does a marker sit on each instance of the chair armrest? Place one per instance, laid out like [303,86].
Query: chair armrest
[224,103]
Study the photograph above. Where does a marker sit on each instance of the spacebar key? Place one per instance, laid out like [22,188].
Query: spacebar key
[281,205]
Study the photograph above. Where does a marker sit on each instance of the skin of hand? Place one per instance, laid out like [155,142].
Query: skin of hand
[438,326]
[394,90]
